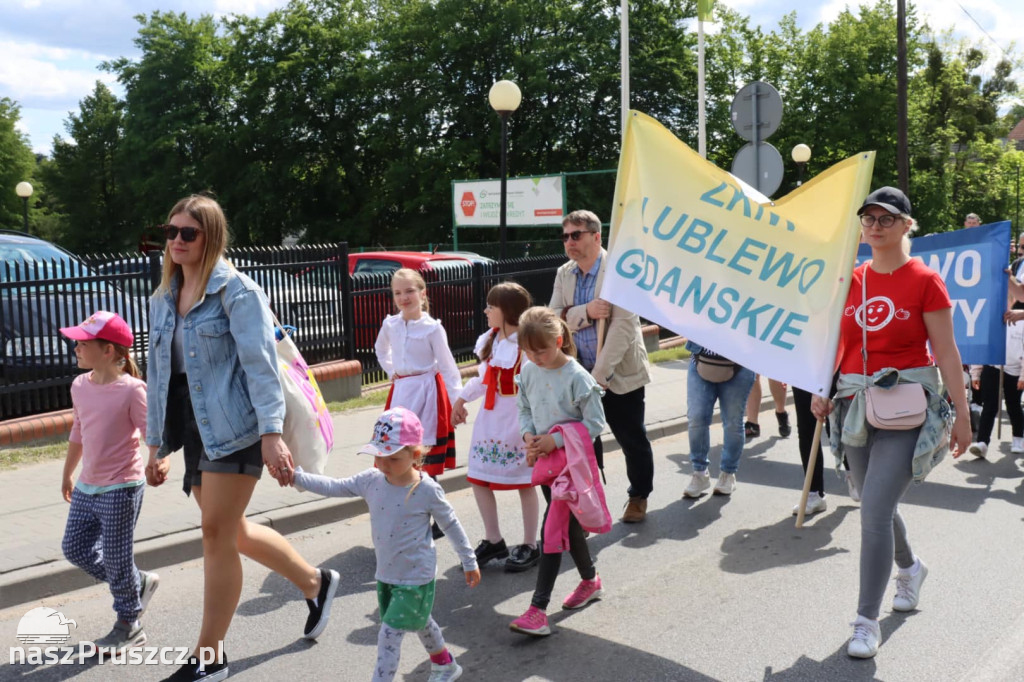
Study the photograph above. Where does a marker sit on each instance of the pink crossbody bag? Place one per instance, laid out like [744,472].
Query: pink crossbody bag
[898,408]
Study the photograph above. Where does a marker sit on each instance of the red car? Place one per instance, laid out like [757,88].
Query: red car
[389,261]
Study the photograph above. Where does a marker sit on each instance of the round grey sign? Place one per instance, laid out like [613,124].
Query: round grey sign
[756,104]
[759,167]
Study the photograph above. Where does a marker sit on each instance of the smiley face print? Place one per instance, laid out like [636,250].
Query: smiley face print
[878,312]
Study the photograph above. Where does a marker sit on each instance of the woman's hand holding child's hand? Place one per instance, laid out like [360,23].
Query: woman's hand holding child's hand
[157,469]
[473,577]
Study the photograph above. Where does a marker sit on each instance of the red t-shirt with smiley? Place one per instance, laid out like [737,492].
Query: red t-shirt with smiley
[897,336]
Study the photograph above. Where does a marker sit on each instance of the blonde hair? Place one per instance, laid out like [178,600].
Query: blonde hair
[512,300]
[540,327]
[124,358]
[210,216]
[417,280]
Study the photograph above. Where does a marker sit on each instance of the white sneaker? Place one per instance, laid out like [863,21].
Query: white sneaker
[1018,446]
[852,487]
[726,484]
[148,582]
[445,673]
[815,505]
[978,449]
[699,482]
[908,588]
[867,635]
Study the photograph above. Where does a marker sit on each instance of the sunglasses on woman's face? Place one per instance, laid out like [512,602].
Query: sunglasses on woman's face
[188,234]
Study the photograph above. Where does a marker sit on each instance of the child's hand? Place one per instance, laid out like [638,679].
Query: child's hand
[473,577]
[459,412]
[66,486]
[157,470]
[543,445]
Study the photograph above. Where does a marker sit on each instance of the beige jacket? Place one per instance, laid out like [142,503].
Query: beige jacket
[622,363]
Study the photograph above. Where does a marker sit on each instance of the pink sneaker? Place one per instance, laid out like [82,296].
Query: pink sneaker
[586,592]
[533,622]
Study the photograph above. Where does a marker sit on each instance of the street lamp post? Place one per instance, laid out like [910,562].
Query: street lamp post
[801,155]
[24,190]
[504,98]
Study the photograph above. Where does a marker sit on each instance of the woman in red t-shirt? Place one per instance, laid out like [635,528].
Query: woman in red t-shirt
[907,309]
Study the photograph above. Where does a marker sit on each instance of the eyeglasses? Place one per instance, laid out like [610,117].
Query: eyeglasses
[188,234]
[887,220]
[575,235]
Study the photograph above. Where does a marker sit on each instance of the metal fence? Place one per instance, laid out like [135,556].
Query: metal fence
[336,315]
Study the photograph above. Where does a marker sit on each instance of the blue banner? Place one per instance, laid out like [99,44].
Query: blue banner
[972,263]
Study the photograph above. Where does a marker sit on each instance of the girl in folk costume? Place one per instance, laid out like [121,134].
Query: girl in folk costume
[497,454]
[412,348]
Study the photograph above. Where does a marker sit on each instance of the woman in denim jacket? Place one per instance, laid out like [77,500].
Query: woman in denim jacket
[900,307]
[213,389]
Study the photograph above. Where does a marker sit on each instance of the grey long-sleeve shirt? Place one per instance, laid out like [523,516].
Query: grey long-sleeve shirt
[401,527]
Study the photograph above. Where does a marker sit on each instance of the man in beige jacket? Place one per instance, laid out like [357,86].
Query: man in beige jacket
[621,366]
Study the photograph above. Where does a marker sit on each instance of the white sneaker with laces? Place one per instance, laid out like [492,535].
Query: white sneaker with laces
[445,673]
[978,449]
[726,484]
[908,588]
[1018,446]
[867,635]
[815,505]
[699,482]
[852,487]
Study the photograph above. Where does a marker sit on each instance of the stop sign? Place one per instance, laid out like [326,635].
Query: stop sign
[468,204]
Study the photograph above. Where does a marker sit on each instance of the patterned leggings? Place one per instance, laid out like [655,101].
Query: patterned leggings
[389,648]
[99,539]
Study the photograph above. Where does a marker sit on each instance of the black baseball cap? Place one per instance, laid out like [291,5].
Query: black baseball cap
[889,198]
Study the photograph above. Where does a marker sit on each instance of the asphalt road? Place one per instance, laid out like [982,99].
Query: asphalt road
[712,589]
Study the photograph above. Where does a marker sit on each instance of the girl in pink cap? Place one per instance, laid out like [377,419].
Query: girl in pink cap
[109,408]
[402,500]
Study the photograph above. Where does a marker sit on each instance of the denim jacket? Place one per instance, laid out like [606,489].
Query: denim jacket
[230,361]
[849,425]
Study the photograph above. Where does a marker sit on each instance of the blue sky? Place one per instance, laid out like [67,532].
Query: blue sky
[50,50]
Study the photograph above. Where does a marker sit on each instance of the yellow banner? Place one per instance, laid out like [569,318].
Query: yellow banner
[763,284]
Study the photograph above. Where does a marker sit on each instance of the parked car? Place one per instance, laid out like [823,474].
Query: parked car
[43,288]
[313,310]
[389,261]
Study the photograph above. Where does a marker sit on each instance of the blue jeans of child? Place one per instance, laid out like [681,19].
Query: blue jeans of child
[700,404]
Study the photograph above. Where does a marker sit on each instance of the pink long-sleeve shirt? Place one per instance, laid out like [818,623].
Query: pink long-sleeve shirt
[109,420]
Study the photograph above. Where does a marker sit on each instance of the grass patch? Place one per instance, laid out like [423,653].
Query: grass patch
[12,458]
[371,399]
[669,354]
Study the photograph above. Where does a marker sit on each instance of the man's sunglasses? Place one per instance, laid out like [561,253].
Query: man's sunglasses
[575,235]
[188,234]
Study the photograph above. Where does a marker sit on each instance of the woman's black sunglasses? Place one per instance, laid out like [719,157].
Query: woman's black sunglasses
[188,234]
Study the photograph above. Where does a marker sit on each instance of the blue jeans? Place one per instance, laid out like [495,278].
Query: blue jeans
[700,403]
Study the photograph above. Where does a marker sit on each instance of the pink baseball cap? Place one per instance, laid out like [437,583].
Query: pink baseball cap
[102,325]
[395,429]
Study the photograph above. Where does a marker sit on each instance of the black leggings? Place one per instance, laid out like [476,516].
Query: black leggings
[805,425]
[547,569]
[988,393]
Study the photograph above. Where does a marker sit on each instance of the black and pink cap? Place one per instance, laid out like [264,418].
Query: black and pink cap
[102,325]
[395,429]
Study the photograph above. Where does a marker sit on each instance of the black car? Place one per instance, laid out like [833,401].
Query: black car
[43,288]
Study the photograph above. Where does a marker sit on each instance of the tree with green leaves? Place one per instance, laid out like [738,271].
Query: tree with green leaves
[17,164]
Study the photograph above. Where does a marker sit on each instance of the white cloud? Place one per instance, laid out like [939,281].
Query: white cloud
[42,77]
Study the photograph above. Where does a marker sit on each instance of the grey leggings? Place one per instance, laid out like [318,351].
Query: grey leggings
[882,472]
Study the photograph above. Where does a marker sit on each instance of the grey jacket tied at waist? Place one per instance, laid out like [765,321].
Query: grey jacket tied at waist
[848,421]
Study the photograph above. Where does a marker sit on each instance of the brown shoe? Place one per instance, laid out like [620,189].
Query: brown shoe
[636,510]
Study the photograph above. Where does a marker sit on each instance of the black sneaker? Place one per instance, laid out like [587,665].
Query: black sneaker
[751,430]
[487,550]
[784,428]
[522,558]
[320,612]
[193,671]
[436,532]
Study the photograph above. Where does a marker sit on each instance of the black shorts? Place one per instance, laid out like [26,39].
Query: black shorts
[182,432]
